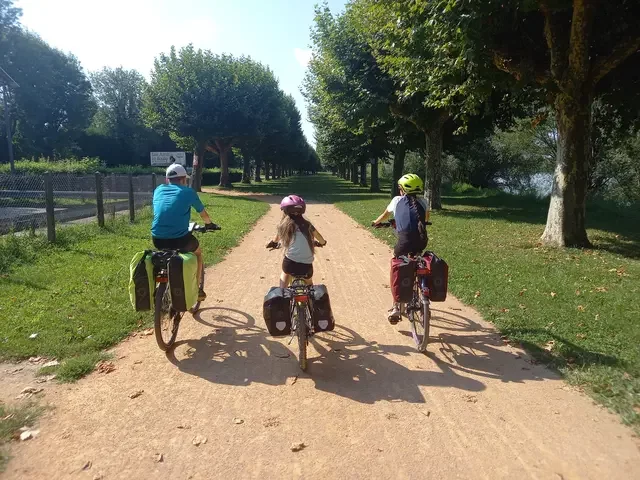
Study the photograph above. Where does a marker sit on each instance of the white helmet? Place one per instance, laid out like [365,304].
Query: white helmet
[176,171]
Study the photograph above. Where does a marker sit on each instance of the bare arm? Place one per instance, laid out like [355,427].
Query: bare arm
[383,216]
[318,237]
[205,217]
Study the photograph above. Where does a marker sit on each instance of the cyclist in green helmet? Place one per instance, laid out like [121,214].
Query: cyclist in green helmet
[411,214]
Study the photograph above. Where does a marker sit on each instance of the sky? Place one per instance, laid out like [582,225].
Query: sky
[131,33]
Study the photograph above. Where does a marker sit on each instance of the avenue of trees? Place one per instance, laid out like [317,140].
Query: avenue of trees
[228,111]
[485,92]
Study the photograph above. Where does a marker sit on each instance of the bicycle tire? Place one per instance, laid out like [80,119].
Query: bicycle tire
[163,311]
[301,330]
[196,307]
[420,323]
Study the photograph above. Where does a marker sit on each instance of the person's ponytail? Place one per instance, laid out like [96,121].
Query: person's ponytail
[420,215]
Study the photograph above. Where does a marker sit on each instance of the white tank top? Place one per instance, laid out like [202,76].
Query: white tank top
[299,250]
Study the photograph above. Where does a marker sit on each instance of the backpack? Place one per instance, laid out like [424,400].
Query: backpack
[182,270]
[141,281]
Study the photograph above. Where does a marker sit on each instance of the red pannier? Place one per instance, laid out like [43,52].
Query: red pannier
[438,279]
[403,275]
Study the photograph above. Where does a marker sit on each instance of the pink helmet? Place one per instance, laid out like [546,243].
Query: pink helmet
[293,204]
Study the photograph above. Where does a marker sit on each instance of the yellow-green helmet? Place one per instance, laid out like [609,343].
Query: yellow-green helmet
[411,183]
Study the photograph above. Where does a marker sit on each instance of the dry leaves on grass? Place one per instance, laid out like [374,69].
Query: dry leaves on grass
[477,294]
[602,289]
[549,345]
[581,308]
[147,332]
[28,392]
[105,367]
[553,294]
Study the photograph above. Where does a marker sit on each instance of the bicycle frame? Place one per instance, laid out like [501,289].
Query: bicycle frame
[301,295]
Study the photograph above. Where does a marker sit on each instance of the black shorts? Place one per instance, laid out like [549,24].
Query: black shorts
[188,243]
[297,269]
[410,243]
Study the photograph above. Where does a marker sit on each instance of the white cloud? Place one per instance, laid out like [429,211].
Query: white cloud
[303,56]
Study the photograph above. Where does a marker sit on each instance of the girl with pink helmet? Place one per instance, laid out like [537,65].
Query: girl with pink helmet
[298,237]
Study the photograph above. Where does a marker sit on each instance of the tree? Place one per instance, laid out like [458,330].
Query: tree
[568,53]
[207,102]
[54,103]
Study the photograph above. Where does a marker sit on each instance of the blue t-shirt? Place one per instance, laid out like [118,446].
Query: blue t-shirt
[406,217]
[172,210]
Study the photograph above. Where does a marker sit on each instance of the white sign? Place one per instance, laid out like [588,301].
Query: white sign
[164,159]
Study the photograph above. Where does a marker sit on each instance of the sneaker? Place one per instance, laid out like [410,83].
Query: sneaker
[394,315]
[201,295]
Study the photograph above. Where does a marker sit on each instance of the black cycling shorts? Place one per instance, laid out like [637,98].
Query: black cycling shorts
[410,243]
[296,269]
[188,243]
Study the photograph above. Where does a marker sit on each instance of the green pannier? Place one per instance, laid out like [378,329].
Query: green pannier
[141,281]
[183,281]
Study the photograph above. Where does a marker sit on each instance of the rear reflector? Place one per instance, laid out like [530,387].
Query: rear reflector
[423,271]
[301,298]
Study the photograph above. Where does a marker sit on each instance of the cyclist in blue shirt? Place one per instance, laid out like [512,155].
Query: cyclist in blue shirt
[172,203]
[411,214]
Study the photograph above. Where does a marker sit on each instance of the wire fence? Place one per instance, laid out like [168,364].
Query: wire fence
[35,201]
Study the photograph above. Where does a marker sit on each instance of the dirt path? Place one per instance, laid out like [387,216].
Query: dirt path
[370,406]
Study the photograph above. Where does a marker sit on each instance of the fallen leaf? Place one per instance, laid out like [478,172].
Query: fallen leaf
[477,294]
[296,447]
[98,476]
[136,394]
[28,392]
[577,292]
[105,367]
[33,335]
[159,458]
[602,289]
[184,427]
[581,308]
[46,379]
[87,465]
[456,309]
[522,306]
[147,332]
[28,435]
[199,440]
[581,335]
[626,376]
[553,294]
[52,363]
[261,277]
[137,362]
[391,416]
[292,380]
[522,291]
[283,355]
[238,421]
[549,345]
[504,310]
[470,398]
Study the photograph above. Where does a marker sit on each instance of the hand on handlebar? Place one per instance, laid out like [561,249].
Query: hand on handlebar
[212,226]
[318,244]
[272,245]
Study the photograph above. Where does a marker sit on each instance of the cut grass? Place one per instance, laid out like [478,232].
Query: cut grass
[12,419]
[576,310]
[73,294]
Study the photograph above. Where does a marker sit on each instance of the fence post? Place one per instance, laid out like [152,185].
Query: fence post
[48,199]
[132,203]
[153,182]
[99,199]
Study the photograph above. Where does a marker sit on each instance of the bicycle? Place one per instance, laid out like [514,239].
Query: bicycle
[418,310]
[166,319]
[302,296]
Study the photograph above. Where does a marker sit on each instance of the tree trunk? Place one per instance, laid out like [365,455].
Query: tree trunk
[566,226]
[434,167]
[246,169]
[267,172]
[224,147]
[198,164]
[354,173]
[398,167]
[363,174]
[375,182]
[257,177]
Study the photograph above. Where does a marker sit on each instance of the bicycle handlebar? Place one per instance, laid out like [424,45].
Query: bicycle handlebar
[391,223]
[194,227]
[274,246]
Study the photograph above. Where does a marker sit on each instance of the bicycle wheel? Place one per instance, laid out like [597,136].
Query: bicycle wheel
[196,307]
[420,319]
[166,320]
[301,330]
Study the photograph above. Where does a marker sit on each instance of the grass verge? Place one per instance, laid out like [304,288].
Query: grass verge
[576,310]
[70,301]
[12,419]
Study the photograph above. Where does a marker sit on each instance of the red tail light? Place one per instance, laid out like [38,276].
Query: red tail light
[423,271]
[162,279]
[301,298]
